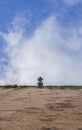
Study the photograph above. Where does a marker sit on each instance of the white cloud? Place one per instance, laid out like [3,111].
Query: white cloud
[46,53]
[69,3]
[72,2]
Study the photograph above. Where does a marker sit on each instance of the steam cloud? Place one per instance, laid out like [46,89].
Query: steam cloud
[51,51]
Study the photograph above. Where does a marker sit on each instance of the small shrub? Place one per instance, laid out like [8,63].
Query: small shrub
[11,86]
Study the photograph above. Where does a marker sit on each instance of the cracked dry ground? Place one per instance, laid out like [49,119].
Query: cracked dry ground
[40,109]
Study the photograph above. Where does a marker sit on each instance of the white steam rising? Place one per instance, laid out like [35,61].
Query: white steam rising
[51,52]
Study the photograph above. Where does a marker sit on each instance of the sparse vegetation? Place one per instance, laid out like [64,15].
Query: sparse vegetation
[49,87]
[10,86]
[65,87]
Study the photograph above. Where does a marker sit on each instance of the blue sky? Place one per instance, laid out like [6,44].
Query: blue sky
[41,38]
[39,9]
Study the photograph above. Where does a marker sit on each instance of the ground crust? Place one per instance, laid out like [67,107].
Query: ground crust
[40,109]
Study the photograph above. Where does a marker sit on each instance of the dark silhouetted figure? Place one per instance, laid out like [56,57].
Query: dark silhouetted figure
[40,83]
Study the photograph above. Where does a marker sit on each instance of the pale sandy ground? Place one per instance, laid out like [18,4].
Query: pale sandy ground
[40,109]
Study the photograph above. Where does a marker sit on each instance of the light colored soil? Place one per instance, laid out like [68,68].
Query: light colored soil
[40,109]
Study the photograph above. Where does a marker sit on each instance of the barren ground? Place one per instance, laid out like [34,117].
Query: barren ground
[40,109]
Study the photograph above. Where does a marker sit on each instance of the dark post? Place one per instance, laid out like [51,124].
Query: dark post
[40,83]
